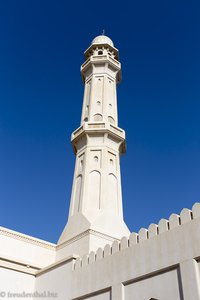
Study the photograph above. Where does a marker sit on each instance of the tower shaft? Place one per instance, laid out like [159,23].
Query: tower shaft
[96,200]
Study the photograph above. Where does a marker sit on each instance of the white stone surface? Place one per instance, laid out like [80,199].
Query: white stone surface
[13,282]
[156,287]
[145,268]
[158,263]
[15,246]
[96,200]
[56,281]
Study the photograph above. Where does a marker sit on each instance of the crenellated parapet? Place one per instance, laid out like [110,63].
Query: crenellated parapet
[153,231]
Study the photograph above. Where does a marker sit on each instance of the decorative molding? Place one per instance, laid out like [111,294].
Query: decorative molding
[17,266]
[27,238]
[81,235]
[20,262]
[56,264]
[32,270]
[40,243]
[102,235]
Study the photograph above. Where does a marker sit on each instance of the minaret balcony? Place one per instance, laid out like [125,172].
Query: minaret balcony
[97,60]
[92,129]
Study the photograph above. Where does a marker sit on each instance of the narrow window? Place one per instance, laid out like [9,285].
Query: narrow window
[96,158]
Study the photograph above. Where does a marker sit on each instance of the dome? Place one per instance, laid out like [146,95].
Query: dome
[102,39]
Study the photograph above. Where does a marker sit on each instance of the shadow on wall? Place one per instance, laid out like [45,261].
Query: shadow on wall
[153,230]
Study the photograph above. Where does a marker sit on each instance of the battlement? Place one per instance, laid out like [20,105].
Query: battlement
[153,231]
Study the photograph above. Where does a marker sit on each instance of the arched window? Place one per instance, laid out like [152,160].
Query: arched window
[111,120]
[97,118]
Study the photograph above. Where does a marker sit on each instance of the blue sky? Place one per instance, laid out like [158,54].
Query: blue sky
[41,50]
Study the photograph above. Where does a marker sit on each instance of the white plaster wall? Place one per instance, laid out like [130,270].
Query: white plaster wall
[100,97]
[56,281]
[75,247]
[159,263]
[27,252]
[15,282]
[86,244]
[198,267]
[163,287]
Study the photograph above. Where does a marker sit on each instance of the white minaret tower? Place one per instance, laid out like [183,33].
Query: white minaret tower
[96,216]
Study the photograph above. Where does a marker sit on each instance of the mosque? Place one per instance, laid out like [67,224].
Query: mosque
[96,257]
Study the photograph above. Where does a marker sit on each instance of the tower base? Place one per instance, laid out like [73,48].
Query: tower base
[80,237]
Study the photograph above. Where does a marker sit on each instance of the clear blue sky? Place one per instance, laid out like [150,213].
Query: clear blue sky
[41,50]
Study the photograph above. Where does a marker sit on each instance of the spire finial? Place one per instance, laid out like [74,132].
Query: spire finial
[103,32]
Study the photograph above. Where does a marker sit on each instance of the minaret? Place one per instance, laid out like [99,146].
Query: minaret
[96,216]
